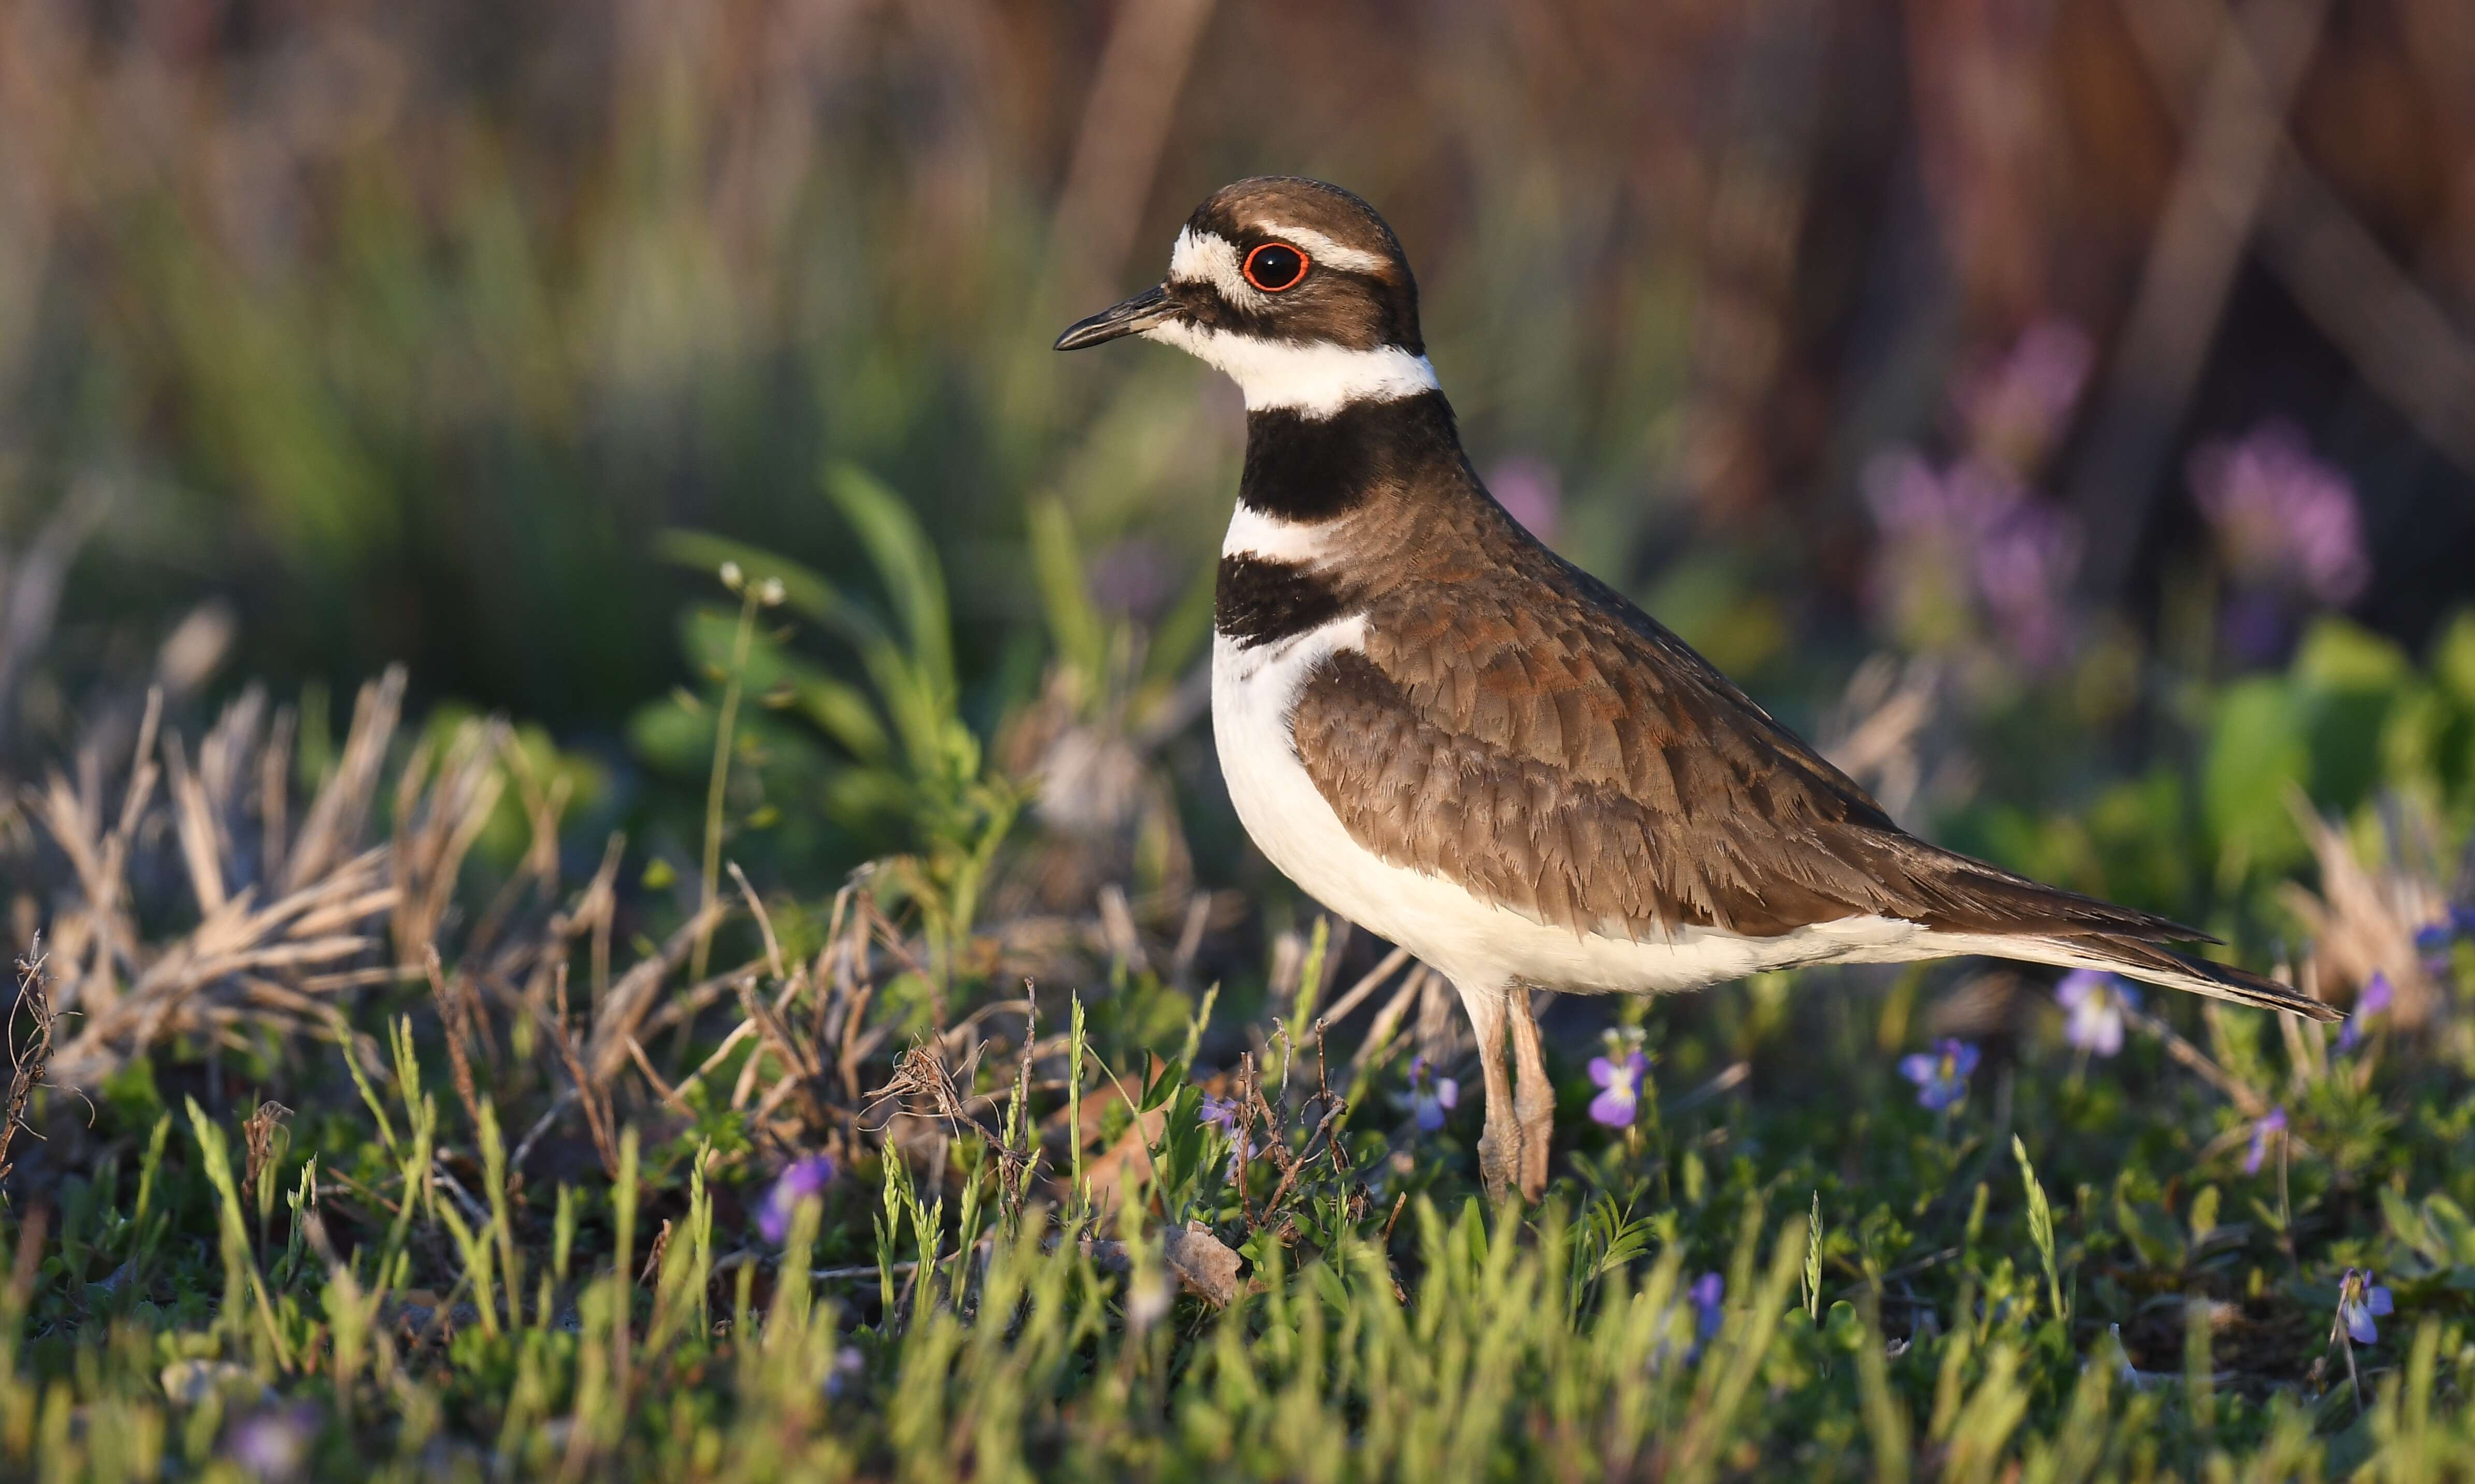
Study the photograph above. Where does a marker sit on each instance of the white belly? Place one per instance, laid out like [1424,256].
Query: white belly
[1474,944]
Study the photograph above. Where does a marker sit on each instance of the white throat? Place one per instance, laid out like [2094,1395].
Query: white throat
[1317,378]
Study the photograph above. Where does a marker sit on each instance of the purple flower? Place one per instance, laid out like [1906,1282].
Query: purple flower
[849,1367]
[2254,626]
[1909,498]
[2270,1125]
[2370,1003]
[1620,1103]
[2096,1002]
[801,1180]
[2284,519]
[1942,1075]
[2359,1300]
[1221,1114]
[2434,939]
[2025,566]
[1432,1095]
[1529,490]
[2014,406]
[1706,1293]
[274,1445]
[1968,544]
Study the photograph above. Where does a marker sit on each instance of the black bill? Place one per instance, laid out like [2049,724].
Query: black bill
[1132,317]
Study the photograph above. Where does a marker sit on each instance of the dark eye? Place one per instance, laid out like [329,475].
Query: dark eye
[1274,266]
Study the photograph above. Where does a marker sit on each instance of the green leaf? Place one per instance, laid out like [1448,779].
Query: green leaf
[2204,1215]
[1074,624]
[1842,1326]
[905,562]
[130,1093]
[2256,756]
[1813,1260]
[2453,659]
[1166,1078]
[918,701]
[2339,655]
[803,591]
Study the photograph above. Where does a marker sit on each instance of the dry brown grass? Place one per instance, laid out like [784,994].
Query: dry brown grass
[29,1060]
[192,898]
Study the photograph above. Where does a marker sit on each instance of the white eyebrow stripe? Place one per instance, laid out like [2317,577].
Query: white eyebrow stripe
[1323,250]
[1316,379]
[1209,257]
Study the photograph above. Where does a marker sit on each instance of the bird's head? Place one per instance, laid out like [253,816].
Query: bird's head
[1295,288]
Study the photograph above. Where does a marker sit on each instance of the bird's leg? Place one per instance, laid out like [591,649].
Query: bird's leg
[1533,1105]
[1499,1148]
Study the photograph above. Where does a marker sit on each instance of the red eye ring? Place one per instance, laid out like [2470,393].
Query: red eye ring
[1269,280]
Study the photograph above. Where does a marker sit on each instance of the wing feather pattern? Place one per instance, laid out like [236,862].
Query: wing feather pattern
[1535,738]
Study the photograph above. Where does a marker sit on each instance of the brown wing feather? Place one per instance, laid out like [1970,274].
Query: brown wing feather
[1533,737]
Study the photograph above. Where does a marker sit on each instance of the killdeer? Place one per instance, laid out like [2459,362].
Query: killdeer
[1447,733]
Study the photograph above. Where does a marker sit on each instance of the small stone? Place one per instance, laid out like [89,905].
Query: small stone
[188,1382]
[1205,1266]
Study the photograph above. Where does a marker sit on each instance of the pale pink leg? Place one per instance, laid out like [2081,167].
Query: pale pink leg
[1499,1148]
[1535,1104]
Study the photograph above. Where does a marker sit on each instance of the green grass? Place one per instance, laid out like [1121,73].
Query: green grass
[497,1235]
[1904,1294]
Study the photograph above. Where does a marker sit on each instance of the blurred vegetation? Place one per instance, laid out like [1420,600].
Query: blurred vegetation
[403,355]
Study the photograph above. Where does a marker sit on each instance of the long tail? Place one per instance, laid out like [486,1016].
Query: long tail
[1980,908]
[2149,963]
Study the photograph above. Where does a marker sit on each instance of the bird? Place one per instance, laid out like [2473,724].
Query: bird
[1445,732]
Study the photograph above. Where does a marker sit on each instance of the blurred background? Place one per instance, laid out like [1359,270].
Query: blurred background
[1991,386]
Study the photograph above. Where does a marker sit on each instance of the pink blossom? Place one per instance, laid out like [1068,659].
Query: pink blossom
[1527,488]
[2283,519]
[2014,406]
[1969,543]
